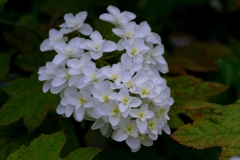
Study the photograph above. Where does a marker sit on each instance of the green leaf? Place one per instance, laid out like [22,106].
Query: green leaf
[185,89]
[220,128]
[198,57]
[28,102]
[48,147]
[4,64]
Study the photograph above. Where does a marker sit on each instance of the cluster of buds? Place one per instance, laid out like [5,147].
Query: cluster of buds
[128,100]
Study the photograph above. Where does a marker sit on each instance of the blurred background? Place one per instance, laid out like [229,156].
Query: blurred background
[201,39]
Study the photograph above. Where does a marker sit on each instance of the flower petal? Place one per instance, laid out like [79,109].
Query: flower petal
[86,29]
[114,120]
[45,46]
[69,110]
[79,114]
[60,109]
[142,126]
[107,17]
[120,135]
[109,46]
[59,58]
[133,142]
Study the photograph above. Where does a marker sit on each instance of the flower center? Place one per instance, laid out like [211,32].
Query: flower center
[129,129]
[162,110]
[125,100]
[69,51]
[57,39]
[151,125]
[134,51]
[141,115]
[105,98]
[67,75]
[75,24]
[128,35]
[114,77]
[94,77]
[96,46]
[115,111]
[144,92]
[82,100]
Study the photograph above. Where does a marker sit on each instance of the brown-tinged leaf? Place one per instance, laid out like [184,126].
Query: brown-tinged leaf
[185,89]
[220,128]
[198,57]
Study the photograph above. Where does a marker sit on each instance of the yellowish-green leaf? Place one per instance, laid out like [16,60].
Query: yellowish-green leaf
[28,102]
[220,128]
[185,89]
[48,147]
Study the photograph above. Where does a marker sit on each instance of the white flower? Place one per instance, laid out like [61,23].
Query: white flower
[136,49]
[136,80]
[92,75]
[112,111]
[150,37]
[116,74]
[76,65]
[126,101]
[47,74]
[162,113]
[103,126]
[81,101]
[62,76]
[155,126]
[146,89]
[97,45]
[104,93]
[66,51]
[128,64]
[129,32]
[73,23]
[127,128]
[157,59]
[116,17]
[142,115]
[135,142]
[54,38]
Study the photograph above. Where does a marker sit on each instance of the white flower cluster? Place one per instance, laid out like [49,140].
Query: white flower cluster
[128,100]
